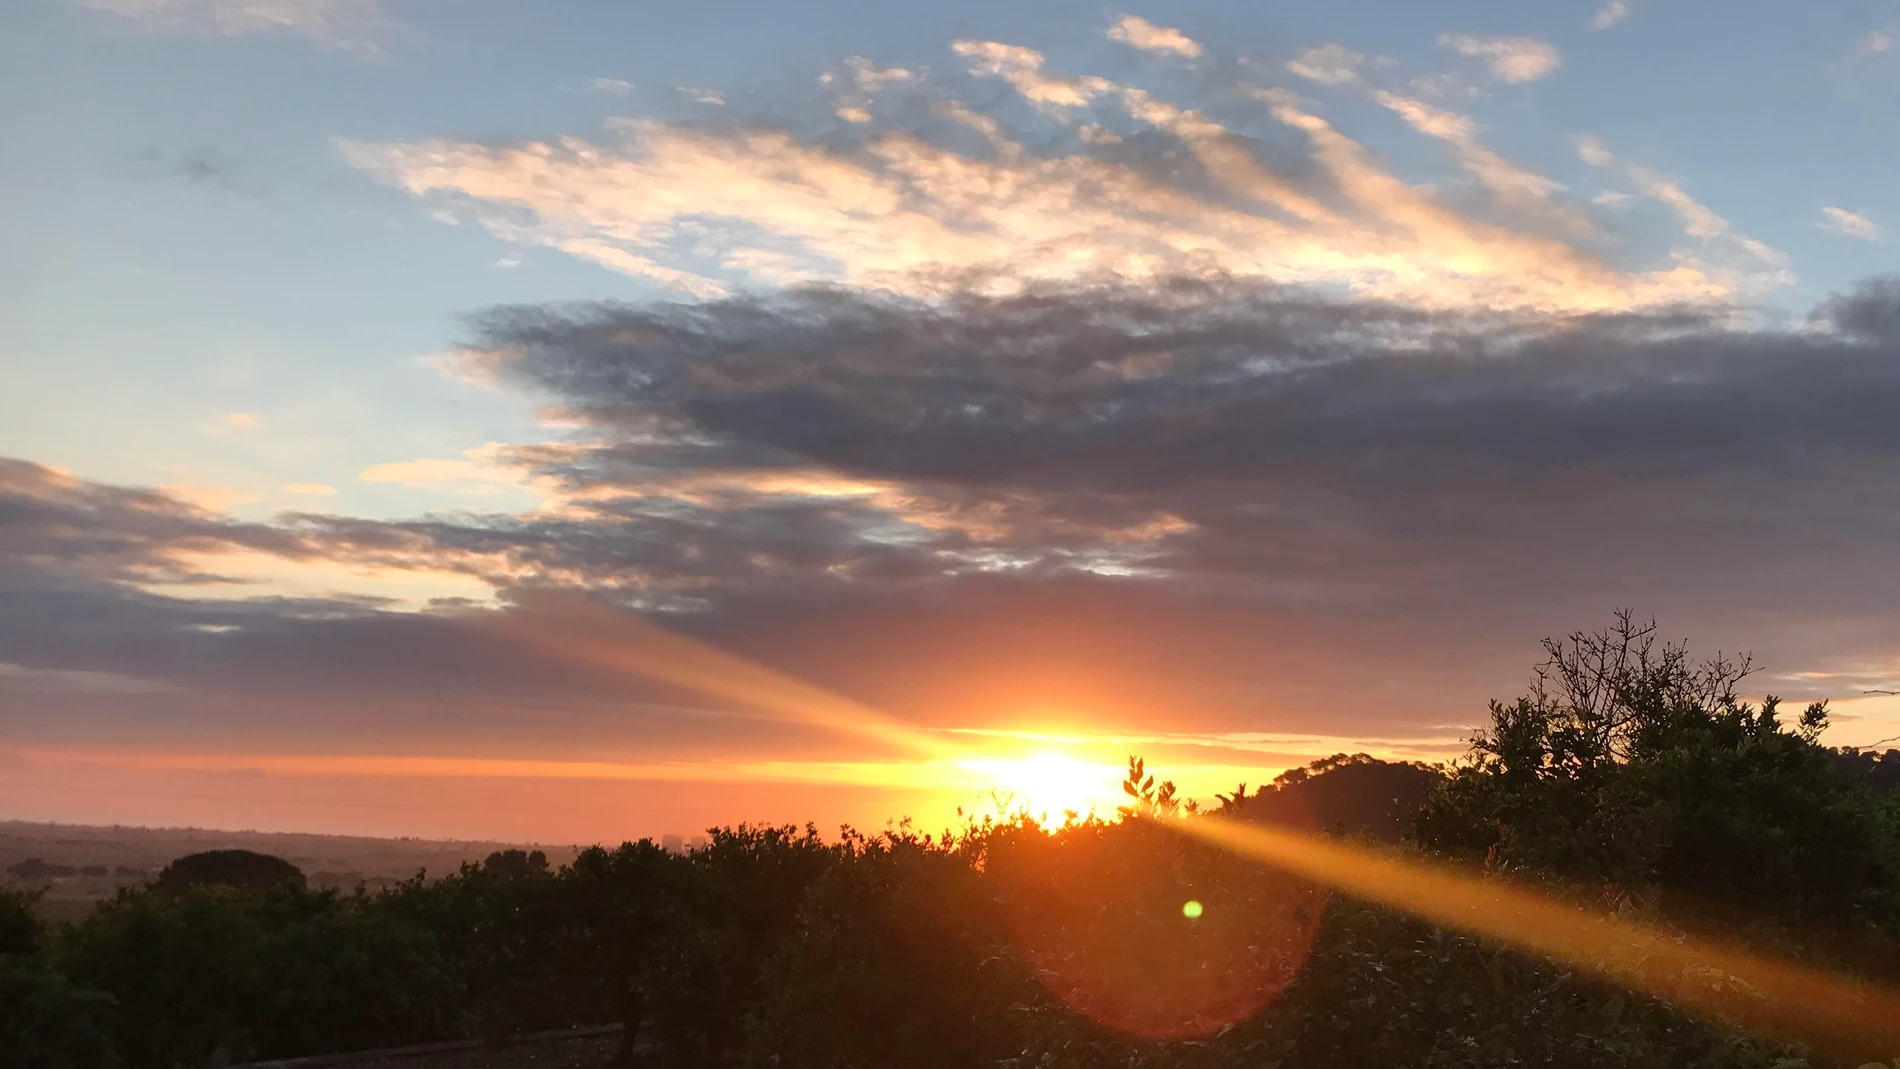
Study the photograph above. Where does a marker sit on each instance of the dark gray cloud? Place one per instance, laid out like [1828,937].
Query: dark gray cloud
[1117,388]
[53,522]
[1204,501]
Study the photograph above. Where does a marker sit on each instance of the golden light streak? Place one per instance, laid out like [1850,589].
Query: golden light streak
[575,629]
[1830,1012]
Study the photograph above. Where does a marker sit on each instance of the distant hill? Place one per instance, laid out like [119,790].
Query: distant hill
[1349,793]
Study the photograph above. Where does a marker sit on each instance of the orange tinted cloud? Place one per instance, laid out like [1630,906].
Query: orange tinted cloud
[700,209]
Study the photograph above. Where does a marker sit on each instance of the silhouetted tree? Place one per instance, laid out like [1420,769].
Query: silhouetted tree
[1879,771]
[231,868]
[34,868]
[516,863]
[1633,765]
[1351,793]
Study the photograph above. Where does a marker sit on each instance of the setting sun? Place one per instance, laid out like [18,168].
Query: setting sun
[1047,784]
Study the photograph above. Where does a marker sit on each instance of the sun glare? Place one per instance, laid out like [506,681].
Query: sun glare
[1046,785]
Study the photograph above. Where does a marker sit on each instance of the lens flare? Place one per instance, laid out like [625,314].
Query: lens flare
[1098,912]
[1837,1015]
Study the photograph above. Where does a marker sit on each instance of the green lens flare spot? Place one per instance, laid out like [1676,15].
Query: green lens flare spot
[1191,909]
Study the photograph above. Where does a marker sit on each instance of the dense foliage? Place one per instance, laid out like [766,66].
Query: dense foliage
[1632,778]
[231,868]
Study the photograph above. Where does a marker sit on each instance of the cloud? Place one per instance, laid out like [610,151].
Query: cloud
[871,78]
[81,529]
[13,676]
[913,197]
[1511,59]
[1853,224]
[1329,64]
[1873,43]
[703,95]
[208,498]
[1611,13]
[1513,185]
[466,367]
[618,87]
[309,489]
[482,470]
[1022,68]
[1523,190]
[1135,31]
[353,26]
[232,423]
[1751,262]
[1119,387]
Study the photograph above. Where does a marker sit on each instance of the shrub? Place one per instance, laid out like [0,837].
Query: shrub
[231,868]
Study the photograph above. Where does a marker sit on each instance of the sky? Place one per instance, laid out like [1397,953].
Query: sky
[578,421]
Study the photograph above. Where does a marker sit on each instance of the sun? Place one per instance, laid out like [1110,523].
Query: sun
[1046,785]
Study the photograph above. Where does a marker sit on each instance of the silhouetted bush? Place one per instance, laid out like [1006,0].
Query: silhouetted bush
[204,972]
[733,902]
[231,868]
[892,960]
[1634,768]
[516,863]
[34,868]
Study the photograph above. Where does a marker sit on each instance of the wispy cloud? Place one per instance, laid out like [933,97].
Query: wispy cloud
[702,95]
[309,489]
[905,200]
[870,77]
[1746,261]
[618,87]
[1140,33]
[1513,185]
[1511,59]
[1330,64]
[1853,224]
[79,682]
[1022,68]
[1609,14]
[355,26]
[208,498]
[484,470]
[1873,43]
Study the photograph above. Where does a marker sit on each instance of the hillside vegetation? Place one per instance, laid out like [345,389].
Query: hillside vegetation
[1630,780]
